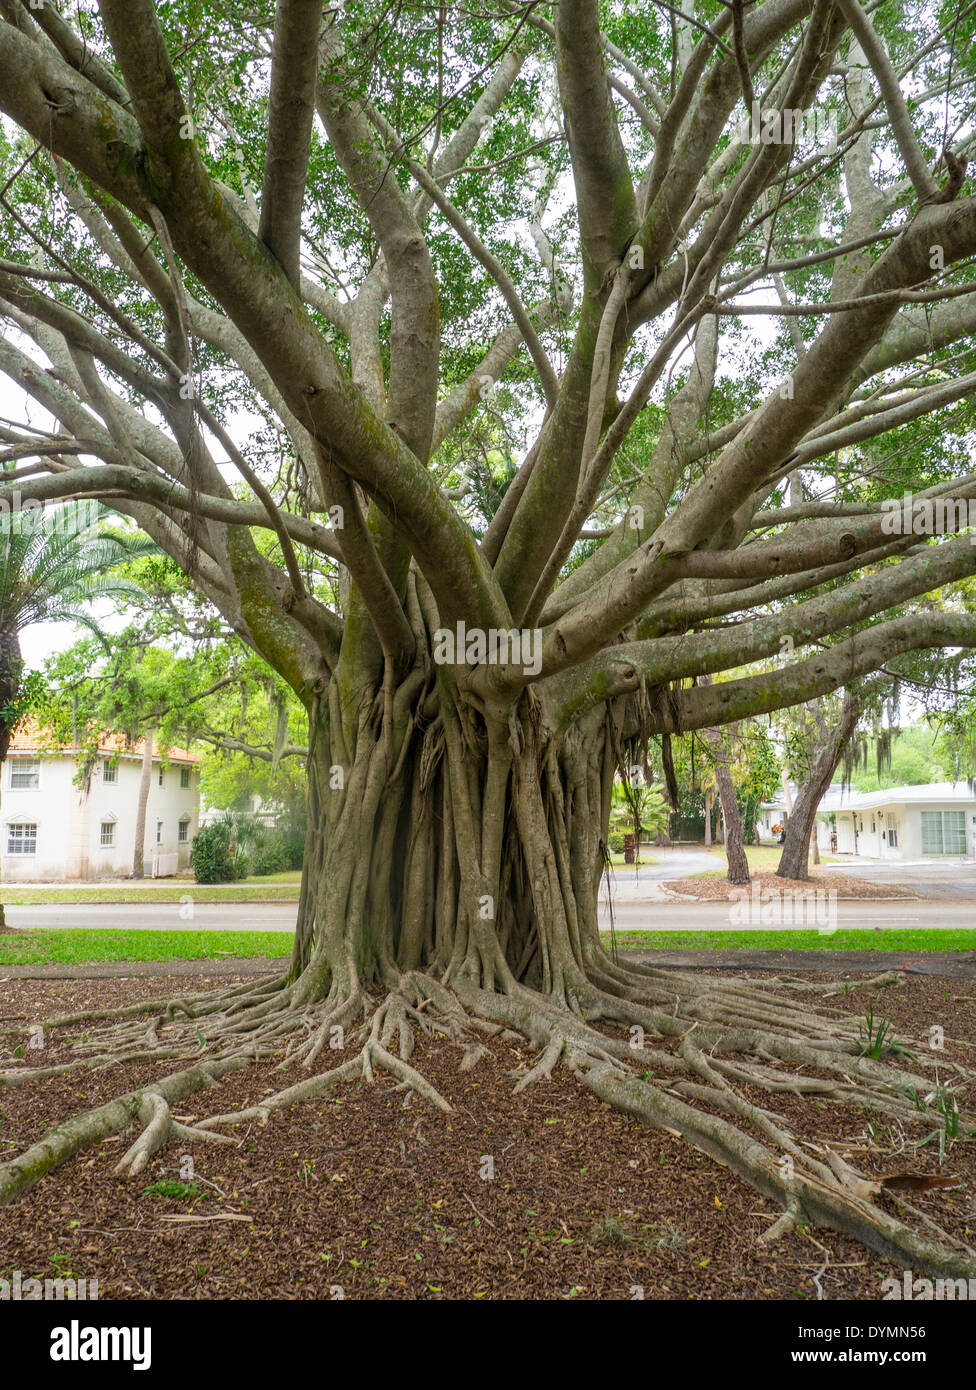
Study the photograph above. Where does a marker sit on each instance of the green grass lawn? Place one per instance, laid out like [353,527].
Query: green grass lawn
[271,888]
[763,859]
[897,939]
[79,947]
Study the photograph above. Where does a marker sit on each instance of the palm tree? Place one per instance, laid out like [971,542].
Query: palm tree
[51,570]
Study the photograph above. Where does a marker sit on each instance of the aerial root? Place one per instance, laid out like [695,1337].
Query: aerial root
[82,1131]
[543,1068]
[781,1168]
[159,1127]
[373,1056]
[784,1224]
[822,1200]
[729,1045]
[165,1007]
[472,1055]
[885,980]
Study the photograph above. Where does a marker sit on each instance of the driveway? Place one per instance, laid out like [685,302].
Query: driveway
[644,883]
[946,880]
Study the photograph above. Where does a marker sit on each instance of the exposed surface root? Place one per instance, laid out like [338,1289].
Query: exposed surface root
[721,1043]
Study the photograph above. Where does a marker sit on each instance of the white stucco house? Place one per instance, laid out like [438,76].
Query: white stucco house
[53,830]
[934,820]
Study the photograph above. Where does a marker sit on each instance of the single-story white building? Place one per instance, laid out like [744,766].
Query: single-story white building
[54,830]
[934,820]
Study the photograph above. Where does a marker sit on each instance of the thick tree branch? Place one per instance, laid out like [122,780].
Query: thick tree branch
[915,163]
[291,109]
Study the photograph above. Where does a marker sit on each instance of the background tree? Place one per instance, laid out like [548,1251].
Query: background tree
[54,566]
[737,870]
[213,694]
[643,803]
[814,749]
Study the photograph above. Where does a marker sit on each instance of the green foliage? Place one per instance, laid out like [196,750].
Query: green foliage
[271,850]
[168,1187]
[53,567]
[915,759]
[877,1038]
[638,806]
[215,856]
[50,571]
[30,697]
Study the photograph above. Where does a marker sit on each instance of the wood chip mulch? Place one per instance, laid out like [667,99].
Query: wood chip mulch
[377,1198]
[772,886]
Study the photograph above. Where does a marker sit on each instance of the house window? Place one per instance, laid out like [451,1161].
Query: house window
[22,838]
[892,832]
[107,833]
[159,832]
[943,832]
[110,771]
[25,774]
[160,776]
[184,778]
[184,832]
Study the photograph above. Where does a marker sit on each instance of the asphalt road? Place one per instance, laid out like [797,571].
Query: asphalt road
[630,913]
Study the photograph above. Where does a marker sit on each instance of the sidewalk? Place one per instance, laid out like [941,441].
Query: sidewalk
[950,965]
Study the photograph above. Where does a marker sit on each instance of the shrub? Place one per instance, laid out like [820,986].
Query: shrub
[213,856]
[293,841]
[272,857]
[615,842]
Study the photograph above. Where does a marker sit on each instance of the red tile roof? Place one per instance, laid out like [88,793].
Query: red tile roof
[29,739]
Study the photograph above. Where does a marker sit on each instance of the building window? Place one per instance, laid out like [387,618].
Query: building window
[184,778]
[110,771]
[107,833]
[892,833]
[22,838]
[184,833]
[160,776]
[25,774]
[159,832]
[943,832]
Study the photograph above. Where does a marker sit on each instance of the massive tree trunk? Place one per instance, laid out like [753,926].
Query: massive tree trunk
[800,826]
[443,842]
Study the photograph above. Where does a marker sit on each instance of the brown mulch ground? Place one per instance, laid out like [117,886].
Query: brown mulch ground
[771,886]
[382,1200]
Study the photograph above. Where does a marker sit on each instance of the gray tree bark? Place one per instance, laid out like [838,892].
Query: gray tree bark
[793,861]
[145,782]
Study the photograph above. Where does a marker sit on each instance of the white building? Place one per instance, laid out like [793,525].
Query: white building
[934,820]
[54,830]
